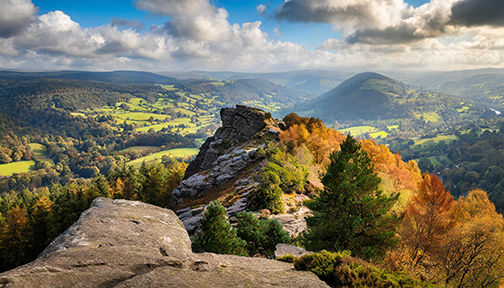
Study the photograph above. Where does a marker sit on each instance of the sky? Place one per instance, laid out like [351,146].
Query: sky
[251,35]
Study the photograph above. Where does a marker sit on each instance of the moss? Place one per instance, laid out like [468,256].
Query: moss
[287,258]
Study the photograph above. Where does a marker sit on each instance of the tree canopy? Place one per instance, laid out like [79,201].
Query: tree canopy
[351,213]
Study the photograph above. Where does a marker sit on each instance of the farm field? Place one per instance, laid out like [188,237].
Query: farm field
[16,167]
[176,152]
[40,152]
[439,138]
[141,148]
[179,113]
[358,130]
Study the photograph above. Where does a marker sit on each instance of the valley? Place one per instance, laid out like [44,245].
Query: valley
[68,138]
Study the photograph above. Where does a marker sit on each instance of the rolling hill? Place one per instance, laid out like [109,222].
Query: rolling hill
[371,96]
[124,77]
[483,85]
[312,82]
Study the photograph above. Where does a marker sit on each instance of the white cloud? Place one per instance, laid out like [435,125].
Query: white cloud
[175,7]
[200,36]
[277,31]
[15,16]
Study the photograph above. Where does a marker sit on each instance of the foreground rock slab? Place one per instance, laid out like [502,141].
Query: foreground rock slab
[119,243]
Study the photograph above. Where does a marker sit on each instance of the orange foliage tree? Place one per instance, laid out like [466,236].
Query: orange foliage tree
[427,218]
[404,176]
[473,251]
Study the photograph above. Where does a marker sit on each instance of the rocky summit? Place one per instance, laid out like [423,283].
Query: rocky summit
[120,243]
[228,164]
[238,125]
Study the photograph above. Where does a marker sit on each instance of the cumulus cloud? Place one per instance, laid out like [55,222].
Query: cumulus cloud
[122,22]
[15,16]
[478,13]
[175,7]
[199,36]
[346,13]
[205,27]
[375,22]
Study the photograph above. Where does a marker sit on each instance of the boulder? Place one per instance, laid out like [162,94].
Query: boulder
[119,243]
[284,249]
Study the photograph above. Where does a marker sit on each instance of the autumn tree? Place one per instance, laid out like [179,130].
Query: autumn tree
[473,251]
[351,213]
[14,238]
[426,220]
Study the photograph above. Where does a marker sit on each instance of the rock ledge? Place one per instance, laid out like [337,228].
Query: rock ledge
[119,243]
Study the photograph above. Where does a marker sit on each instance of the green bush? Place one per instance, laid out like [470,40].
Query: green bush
[269,194]
[287,258]
[282,174]
[261,235]
[340,270]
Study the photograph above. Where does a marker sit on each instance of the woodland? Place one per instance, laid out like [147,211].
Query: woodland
[428,207]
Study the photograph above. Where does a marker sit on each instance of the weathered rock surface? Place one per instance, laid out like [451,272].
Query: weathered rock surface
[238,125]
[119,243]
[284,249]
[294,223]
[227,157]
[224,169]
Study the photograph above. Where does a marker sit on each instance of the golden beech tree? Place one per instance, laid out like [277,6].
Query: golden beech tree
[427,218]
[473,252]
[404,176]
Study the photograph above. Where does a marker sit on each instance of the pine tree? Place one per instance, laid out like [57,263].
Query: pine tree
[261,235]
[217,235]
[351,213]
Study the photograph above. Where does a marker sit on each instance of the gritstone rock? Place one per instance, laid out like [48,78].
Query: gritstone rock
[120,243]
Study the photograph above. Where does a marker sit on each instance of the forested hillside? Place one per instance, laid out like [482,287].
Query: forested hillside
[485,85]
[374,97]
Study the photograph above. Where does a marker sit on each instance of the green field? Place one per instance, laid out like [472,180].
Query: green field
[40,152]
[430,141]
[358,130]
[381,134]
[168,112]
[75,114]
[432,116]
[16,167]
[176,152]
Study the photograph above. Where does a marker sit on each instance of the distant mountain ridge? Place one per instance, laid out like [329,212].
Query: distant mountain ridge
[246,91]
[483,85]
[125,77]
[313,82]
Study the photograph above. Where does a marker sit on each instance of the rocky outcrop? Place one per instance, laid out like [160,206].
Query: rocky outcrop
[238,125]
[119,243]
[224,169]
[229,156]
